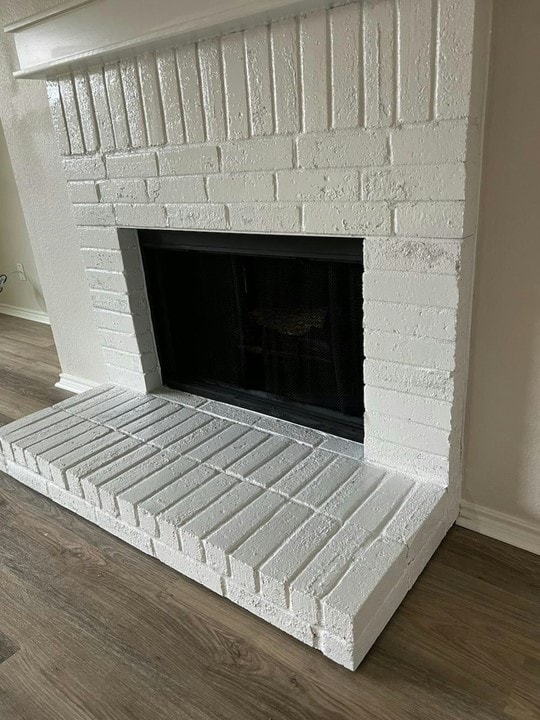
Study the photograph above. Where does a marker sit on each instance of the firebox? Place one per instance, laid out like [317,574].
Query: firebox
[269,323]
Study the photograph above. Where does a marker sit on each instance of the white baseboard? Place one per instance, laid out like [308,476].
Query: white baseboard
[35,315]
[500,526]
[75,384]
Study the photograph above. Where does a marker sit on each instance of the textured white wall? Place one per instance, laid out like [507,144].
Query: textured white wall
[15,245]
[47,211]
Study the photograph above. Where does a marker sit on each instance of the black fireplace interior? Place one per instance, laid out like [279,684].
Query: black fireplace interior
[270,323]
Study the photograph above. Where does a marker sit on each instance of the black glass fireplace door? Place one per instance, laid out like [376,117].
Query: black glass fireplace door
[281,334]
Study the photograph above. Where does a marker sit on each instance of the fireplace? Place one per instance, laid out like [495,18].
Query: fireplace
[268,323]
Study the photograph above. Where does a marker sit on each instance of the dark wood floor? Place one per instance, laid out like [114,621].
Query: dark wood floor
[92,629]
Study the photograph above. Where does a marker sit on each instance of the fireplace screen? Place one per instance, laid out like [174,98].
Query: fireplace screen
[268,323]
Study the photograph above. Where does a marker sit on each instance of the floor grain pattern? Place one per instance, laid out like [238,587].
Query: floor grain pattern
[91,629]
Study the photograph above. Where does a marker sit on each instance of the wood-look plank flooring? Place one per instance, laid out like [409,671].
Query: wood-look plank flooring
[91,629]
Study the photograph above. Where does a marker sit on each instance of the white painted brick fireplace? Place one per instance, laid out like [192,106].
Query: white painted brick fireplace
[363,120]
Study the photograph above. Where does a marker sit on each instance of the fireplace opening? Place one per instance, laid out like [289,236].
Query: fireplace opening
[269,323]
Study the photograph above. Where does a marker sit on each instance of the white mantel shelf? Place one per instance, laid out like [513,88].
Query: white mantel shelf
[82,33]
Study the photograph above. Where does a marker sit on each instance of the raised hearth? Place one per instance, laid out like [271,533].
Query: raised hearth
[286,521]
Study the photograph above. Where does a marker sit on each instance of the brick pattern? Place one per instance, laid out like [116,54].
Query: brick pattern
[361,119]
[288,522]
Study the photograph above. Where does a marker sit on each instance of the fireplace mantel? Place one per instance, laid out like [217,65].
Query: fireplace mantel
[73,34]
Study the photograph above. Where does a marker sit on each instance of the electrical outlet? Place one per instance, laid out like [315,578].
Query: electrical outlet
[20,272]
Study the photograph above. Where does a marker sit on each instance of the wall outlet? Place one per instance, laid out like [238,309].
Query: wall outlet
[20,272]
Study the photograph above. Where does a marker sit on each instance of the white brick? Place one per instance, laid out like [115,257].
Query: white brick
[425,182]
[108,281]
[415,66]
[343,446]
[379,63]
[276,573]
[415,351]
[82,192]
[419,516]
[415,320]
[86,111]
[212,89]
[127,343]
[217,442]
[258,154]
[202,574]
[134,303]
[141,215]
[225,457]
[256,42]
[317,491]
[140,382]
[113,447]
[115,95]
[408,287]
[323,185]
[93,214]
[234,78]
[90,167]
[432,219]
[133,102]
[314,77]
[408,407]
[265,217]
[260,544]
[101,107]
[123,191]
[219,543]
[118,322]
[177,189]
[71,114]
[126,533]
[291,430]
[436,384]
[426,256]
[347,218]
[130,361]
[418,436]
[303,473]
[417,463]
[132,165]
[344,149]
[268,473]
[454,58]
[197,217]
[444,142]
[247,186]
[170,95]
[105,238]
[53,463]
[191,93]
[347,100]
[57,114]
[362,590]
[107,260]
[150,93]
[190,160]
[285,74]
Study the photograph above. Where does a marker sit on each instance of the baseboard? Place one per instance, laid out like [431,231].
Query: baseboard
[500,526]
[35,315]
[75,384]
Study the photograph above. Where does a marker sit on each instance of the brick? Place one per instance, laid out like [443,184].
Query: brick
[128,534]
[417,351]
[265,217]
[71,114]
[286,73]
[252,461]
[247,186]
[180,436]
[436,413]
[191,93]
[131,165]
[414,320]
[83,192]
[323,185]
[415,65]
[424,182]
[106,260]
[119,322]
[234,78]
[417,463]
[93,214]
[96,79]
[270,472]
[432,219]
[343,446]
[217,442]
[198,572]
[106,281]
[347,218]
[130,361]
[415,288]
[342,150]
[103,238]
[191,160]
[272,153]
[90,167]
[86,111]
[420,144]
[57,115]
[141,215]
[364,587]
[259,545]
[406,432]
[115,94]
[415,255]
[197,217]
[345,31]
[421,513]
[211,89]
[302,434]
[134,303]
[314,80]
[425,382]
[357,490]
[123,191]
[379,24]
[49,463]
[199,434]
[326,482]
[127,343]
[245,444]
[117,447]
[170,95]
[454,58]
[133,101]
[177,189]
[150,92]
[256,42]
[303,473]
